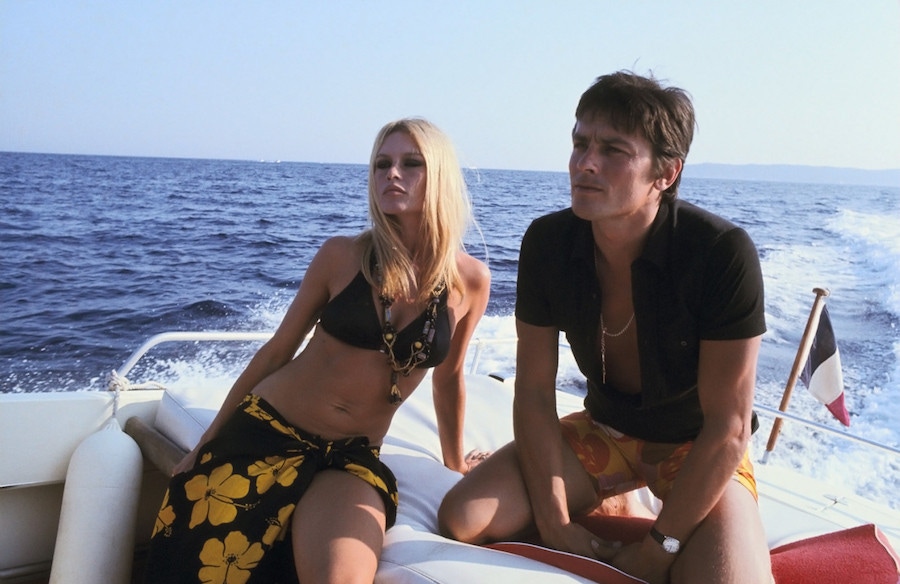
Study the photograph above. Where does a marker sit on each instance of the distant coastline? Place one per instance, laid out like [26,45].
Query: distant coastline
[795,174]
[752,172]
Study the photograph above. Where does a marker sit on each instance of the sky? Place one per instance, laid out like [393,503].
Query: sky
[804,82]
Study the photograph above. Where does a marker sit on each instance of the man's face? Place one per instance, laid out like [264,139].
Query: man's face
[611,172]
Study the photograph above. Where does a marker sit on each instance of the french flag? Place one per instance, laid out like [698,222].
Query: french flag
[822,373]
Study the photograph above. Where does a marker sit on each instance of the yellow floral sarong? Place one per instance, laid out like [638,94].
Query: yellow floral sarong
[227,520]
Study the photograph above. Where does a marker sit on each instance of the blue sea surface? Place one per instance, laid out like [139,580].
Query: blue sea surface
[99,253]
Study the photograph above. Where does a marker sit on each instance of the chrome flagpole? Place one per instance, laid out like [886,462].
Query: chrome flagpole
[812,324]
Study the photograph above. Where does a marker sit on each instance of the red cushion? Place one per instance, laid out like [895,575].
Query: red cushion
[859,554]
[593,570]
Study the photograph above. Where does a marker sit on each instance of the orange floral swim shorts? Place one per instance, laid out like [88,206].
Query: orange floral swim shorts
[620,463]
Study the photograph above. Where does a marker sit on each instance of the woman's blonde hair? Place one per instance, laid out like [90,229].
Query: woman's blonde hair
[446,217]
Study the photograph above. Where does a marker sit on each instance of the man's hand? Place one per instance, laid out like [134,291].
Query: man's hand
[635,560]
[575,539]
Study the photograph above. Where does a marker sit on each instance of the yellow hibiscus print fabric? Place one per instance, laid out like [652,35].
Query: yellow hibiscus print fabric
[227,520]
[214,495]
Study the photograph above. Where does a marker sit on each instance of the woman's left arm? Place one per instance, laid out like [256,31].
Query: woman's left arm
[448,379]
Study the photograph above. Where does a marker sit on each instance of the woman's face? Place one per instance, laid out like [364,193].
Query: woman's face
[400,175]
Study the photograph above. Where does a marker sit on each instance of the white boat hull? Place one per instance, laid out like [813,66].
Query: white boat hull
[40,432]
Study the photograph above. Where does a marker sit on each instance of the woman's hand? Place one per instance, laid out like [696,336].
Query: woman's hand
[186,463]
[474,458]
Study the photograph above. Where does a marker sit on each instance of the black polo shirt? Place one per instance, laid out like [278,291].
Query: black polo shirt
[698,277]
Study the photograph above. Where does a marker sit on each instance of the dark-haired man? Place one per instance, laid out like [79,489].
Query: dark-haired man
[662,303]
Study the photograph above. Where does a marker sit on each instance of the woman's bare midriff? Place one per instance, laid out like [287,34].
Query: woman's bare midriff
[334,390]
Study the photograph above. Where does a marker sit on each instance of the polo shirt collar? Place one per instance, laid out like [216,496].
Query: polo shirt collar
[656,249]
[583,239]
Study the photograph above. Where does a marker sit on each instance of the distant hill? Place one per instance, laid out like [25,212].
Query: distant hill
[798,174]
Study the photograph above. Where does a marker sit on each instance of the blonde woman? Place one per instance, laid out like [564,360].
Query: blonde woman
[286,483]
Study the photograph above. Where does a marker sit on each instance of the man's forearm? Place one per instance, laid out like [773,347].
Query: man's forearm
[539,448]
[702,479]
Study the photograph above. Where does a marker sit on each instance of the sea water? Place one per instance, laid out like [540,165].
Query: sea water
[99,253]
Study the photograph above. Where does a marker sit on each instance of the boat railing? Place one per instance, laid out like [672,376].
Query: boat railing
[776,413]
[477,345]
[187,337]
[477,348]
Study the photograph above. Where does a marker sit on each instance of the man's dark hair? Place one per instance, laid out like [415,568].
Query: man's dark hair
[640,105]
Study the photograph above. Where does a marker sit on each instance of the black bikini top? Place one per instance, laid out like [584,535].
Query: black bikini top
[351,317]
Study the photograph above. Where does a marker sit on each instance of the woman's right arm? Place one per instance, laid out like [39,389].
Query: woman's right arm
[301,316]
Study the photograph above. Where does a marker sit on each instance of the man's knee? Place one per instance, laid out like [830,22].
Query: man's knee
[453,520]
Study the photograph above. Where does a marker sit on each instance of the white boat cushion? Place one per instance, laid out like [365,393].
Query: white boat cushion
[413,552]
[186,412]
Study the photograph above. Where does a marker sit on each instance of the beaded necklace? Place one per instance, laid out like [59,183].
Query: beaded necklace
[419,350]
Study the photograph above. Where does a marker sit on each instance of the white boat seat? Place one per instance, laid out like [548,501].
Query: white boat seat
[413,552]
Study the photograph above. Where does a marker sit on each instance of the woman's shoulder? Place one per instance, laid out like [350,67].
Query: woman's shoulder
[474,272]
[341,244]
[341,248]
[338,258]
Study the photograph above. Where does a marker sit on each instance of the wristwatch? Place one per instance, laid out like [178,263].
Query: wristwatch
[670,544]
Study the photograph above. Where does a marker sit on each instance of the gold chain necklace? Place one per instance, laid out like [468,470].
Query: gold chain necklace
[605,333]
[419,350]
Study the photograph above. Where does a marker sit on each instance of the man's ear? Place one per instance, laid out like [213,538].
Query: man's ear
[670,172]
